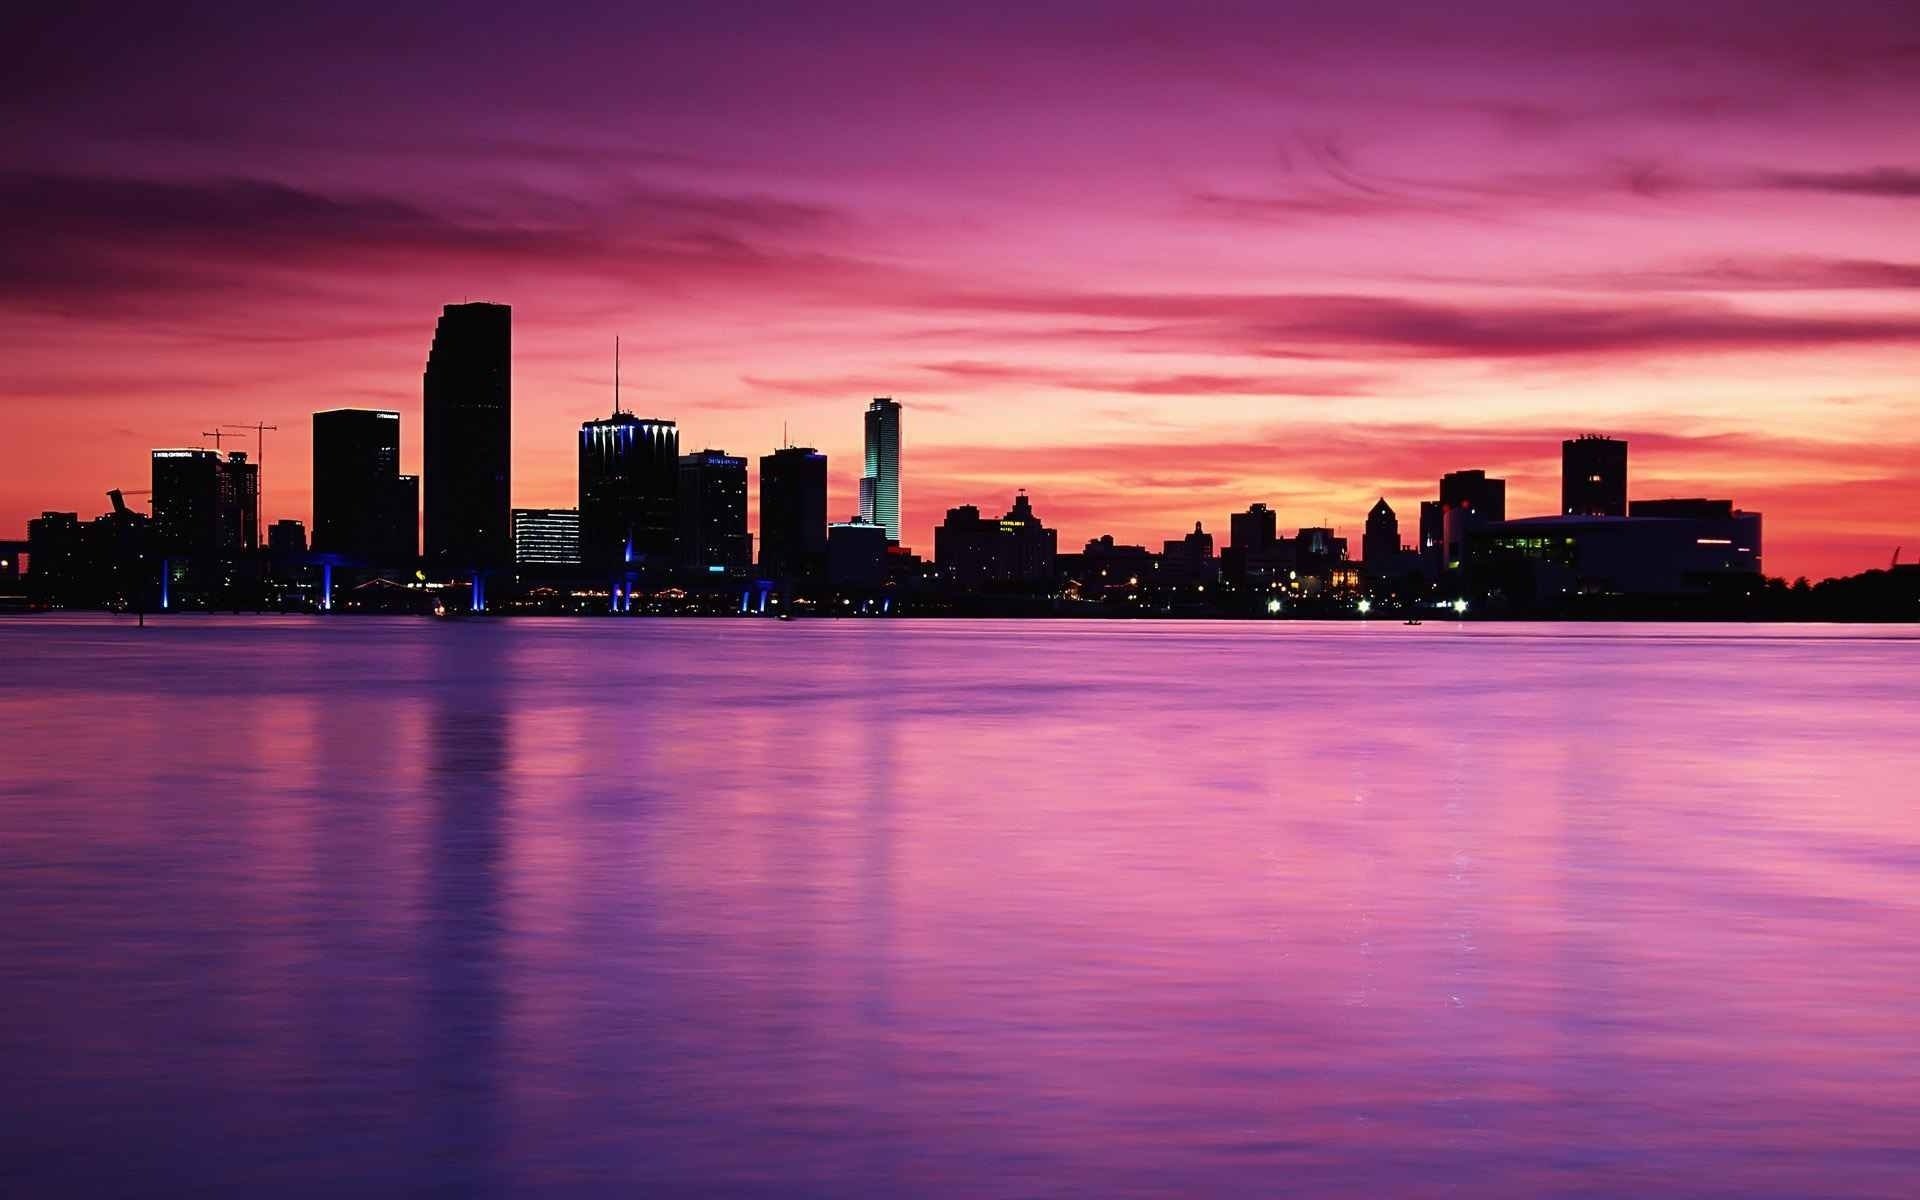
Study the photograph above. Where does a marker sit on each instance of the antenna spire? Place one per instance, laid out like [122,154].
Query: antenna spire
[616,374]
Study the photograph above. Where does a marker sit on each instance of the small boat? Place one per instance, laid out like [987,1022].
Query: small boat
[1412,621]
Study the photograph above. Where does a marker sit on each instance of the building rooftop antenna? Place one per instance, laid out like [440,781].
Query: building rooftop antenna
[616,374]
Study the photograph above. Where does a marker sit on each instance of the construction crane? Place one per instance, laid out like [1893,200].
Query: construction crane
[1896,554]
[216,435]
[260,431]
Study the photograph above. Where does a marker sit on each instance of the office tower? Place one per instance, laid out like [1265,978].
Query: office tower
[1593,477]
[629,477]
[188,491]
[363,508]
[239,528]
[712,505]
[468,442]
[1255,556]
[546,537]
[793,511]
[1468,501]
[880,486]
[403,519]
[1380,544]
[286,538]
[1255,529]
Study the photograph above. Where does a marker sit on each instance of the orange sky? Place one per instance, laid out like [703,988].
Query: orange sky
[1152,266]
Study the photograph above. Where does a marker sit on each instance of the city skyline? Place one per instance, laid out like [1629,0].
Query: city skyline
[1151,267]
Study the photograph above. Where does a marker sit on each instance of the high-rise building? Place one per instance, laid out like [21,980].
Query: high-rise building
[203,504]
[712,505]
[629,478]
[546,537]
[1468,501]
[363,508]
[1593,477]
[239,503]
[1255,556]
[793,511]
[880,485]
[468,442]
[1380,544]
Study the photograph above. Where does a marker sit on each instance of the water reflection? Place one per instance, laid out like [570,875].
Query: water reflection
[606,908]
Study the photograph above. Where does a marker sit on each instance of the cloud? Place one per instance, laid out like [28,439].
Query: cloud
[1367,325]
[1891,182]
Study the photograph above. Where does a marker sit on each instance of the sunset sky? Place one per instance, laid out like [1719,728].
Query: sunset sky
[1152,262]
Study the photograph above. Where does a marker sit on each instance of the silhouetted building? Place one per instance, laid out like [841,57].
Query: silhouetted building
[1316,550]
[546,537]
[1256,558]
[1593,477]
[1663,548]
[1105,569]
[1380,544]
[468,443]
[880,485]
[972,552]
[363,508]
[793,511]
[1189,560]
[1468,501]
[856,555]
[204,505]
[629,478]
[712,504]
[286,538]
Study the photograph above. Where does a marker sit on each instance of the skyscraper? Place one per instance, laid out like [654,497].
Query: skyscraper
[629,478]
[793,511]
[1380,545]
[468,442]
[712,505]
[203,504]
[363,507]
[1593,477]
[880,485]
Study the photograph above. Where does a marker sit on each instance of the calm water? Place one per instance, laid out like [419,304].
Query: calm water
[363,907]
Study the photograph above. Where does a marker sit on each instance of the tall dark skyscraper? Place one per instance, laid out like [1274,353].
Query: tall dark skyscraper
[468,443]
[204,504]
[793,511]
[1593,477]
[712,506]
[363,507]
[1380,544]
[880,485]
[629,478]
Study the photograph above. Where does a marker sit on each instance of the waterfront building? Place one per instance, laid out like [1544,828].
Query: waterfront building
[467,405]
[363,508]
[880,485]
[629,476]
[1593,477]
[793,511]
[856,555]
[1189,559]
[972,552]
[712,511]
[546,537]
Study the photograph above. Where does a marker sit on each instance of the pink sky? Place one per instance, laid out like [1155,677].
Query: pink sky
[1151,262]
